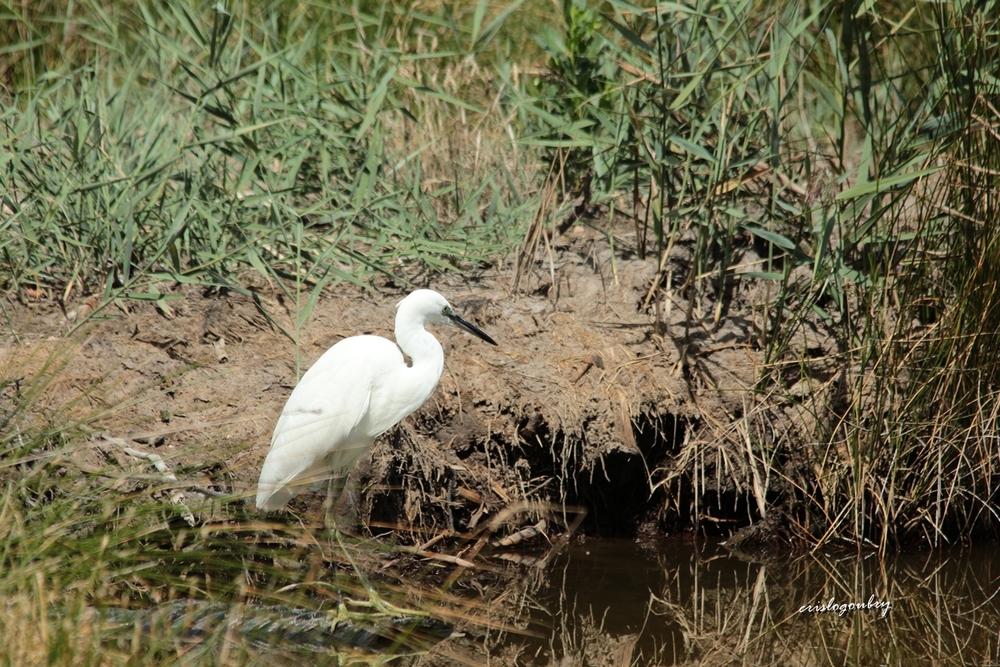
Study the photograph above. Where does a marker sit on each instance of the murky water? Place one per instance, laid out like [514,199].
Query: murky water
[608,602]
[615,602]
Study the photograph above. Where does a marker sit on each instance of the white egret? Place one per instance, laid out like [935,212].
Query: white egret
[356,391]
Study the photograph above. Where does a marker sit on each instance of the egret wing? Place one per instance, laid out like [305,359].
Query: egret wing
[321,431]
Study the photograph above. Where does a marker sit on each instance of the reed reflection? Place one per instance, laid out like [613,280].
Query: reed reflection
[610,602]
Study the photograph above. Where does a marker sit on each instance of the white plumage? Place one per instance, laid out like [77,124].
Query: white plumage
[356,391]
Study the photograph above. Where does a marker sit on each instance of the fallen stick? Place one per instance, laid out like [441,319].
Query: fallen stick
[588,361]
[176,498]
[434,540]
[521,535]
[155,459]
[423,553]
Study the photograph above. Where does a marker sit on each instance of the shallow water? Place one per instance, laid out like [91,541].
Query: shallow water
[615,602]
[611,602]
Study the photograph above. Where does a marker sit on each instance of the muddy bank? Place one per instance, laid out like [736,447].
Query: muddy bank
[598,402]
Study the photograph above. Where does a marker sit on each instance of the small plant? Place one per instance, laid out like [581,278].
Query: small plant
[578,80]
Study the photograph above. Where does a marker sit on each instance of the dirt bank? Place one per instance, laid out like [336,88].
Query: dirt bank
[587,404]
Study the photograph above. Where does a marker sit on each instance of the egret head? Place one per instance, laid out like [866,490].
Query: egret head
[429,306]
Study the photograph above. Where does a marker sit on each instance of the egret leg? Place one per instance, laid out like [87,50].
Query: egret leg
[382,608]
[375,601]
[335,489]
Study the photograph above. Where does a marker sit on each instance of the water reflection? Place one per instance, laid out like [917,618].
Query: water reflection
[613,602]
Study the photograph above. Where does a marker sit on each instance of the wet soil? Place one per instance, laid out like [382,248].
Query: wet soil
[600,409]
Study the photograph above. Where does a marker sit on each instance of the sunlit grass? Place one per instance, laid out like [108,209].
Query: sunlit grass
[182,143]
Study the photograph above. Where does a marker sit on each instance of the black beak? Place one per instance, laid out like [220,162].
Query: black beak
[471,328]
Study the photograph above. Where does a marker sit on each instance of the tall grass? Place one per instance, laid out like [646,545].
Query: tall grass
[148,143]
[844,159]
[917,455]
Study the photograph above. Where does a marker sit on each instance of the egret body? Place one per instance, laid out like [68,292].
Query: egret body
[360,388]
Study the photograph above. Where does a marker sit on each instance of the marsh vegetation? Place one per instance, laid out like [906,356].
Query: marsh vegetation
[741,258]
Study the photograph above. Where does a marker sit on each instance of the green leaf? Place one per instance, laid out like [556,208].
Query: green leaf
[444,97]
[694,149]
[883,184]
[152,295]
[239,132]
[494,26]
[633,38]
[306,311]
[772,237]
[558,143]
[477,20]
[686,91]
[375,102]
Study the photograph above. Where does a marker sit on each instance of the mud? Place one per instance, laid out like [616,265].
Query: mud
[600,409]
